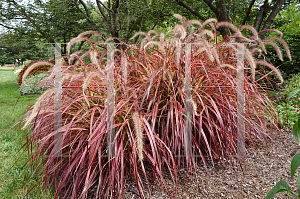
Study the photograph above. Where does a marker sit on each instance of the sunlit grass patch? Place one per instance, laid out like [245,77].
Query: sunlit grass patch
[12,108]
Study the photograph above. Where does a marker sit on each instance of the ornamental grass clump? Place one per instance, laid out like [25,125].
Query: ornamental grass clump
[149,83]
[36,70]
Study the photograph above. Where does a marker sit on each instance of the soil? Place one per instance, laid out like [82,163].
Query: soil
[264,168]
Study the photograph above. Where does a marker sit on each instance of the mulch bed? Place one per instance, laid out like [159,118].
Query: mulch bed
[264,168]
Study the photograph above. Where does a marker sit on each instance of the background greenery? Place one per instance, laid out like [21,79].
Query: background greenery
[288,21]
[27,27]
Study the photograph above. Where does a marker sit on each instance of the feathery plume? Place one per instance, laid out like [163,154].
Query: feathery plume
[257,42]
[36,107]
[195,108]
[200,50]
[162,38]
[244,39]
[75,55]
[194,105]
[261,44]
[271,30]
[76,39]
[189,37]
[93,56]
[155,42]
[228,65]
[151,32]
[277,49]
[205,32]
[192,22]
[253,31]
[227,45]
[138,127]
[32,67]
[143,43]
[249,57]
[207,47]
[124,67]
[276,71]
[284,45]
[87,80]
[141,33]
[92,32]
[180,18]
[229,25]
[180,30]
[209,22]
[178,51]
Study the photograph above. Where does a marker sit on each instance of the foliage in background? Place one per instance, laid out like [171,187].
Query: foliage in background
[149,111]
[15,45]
[289,107]
[42,21]
[288,68]
[27,62]
[35,23]
[32,85]
[288,21]
[60,20]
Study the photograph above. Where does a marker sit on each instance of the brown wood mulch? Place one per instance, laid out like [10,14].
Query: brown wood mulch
[264,168]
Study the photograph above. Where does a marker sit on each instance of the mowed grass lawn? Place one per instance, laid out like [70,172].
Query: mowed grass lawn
[12,171]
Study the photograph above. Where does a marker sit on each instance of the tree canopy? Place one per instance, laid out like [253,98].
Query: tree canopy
[49,21]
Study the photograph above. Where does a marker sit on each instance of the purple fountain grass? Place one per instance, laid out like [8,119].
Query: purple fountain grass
[149,111]
[32,67]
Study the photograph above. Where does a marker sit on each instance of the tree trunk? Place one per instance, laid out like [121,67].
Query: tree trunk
[222,15]
[248,12]
[275,10]
[261,15]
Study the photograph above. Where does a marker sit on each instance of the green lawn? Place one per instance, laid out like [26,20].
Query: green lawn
[12,175]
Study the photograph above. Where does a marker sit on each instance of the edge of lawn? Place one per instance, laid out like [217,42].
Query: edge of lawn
[12,169]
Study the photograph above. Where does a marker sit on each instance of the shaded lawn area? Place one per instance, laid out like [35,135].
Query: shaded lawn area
[12,172]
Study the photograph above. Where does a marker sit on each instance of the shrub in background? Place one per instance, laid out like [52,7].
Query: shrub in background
[32,85]
[288,99]
[149,110]
[288,21]
[287,68]
[27,62]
